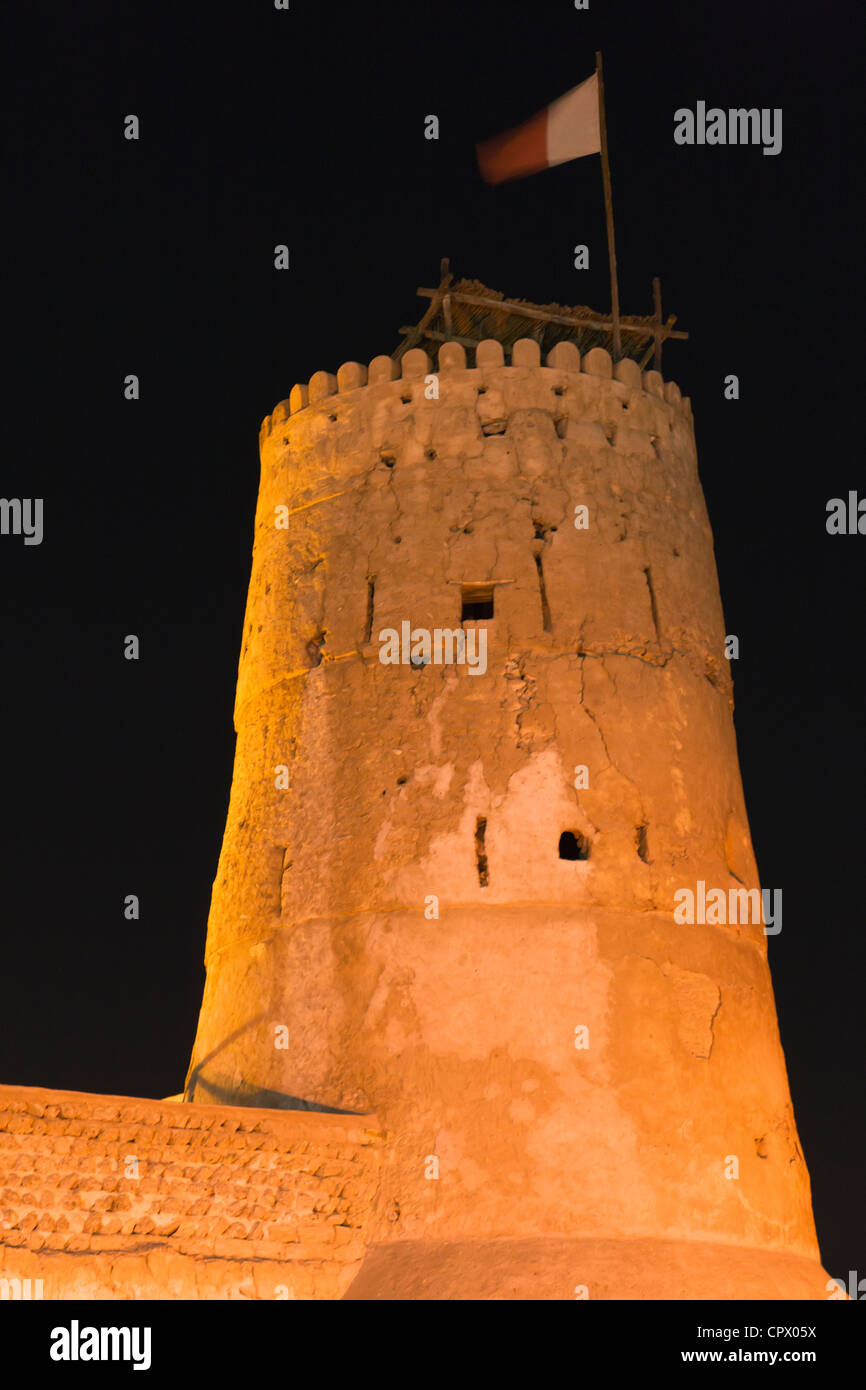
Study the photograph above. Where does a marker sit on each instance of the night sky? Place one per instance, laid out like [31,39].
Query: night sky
[156,258]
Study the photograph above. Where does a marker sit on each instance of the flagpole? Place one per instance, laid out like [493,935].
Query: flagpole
[608,208]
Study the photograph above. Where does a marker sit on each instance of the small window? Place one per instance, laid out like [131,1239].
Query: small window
[573,845]
[477,601]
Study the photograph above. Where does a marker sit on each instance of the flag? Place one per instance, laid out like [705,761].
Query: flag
[566,129]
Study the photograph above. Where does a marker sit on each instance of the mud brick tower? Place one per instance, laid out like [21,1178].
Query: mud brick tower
[446,894]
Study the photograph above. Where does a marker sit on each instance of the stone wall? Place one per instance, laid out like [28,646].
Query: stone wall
[110,1197]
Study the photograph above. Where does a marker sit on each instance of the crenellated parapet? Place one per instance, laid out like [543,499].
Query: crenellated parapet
[482,465]
[416,366]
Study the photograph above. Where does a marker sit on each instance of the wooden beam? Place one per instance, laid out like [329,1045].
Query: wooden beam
[663,333]
[657,322]
[414,335]
[571,321]
[444,337]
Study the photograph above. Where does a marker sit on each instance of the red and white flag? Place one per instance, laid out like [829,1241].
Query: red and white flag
[566,129]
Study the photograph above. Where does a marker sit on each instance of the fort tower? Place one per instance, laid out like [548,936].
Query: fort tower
[446,893]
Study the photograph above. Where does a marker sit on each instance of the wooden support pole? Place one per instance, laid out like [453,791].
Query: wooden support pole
[414,335]
[657,322]
[643,360]
[608,210]
[664,332]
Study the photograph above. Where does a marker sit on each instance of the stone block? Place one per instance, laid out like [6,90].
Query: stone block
[489,353]
[299,397]
[565,356]
[628,372]
[382,369]
[597,362]
[322,385]
[452,357]
[491,412]
[634,442]
[526,353]
[350,376]
[415,363]
[585,432]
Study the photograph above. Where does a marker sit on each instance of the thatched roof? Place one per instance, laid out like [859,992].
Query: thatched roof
[452,315]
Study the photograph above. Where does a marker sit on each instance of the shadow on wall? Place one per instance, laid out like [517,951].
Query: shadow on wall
[205,1092]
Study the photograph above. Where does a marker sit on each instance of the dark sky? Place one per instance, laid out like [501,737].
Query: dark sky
[156,257]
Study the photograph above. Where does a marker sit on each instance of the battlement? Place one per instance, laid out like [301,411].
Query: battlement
[118,1197]
[416,365]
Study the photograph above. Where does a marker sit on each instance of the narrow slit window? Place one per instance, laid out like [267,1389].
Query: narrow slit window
[652,597]
[542,593]
[281,863]
[477,602]
[481,851]
[371,603]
